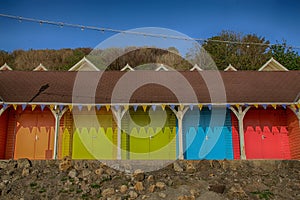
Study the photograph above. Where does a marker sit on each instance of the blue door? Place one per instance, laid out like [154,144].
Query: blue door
[207,134]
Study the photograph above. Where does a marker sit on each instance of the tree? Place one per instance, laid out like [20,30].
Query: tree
[285,55]
[239,52]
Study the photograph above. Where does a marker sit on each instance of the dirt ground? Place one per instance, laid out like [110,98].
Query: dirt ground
[182,180]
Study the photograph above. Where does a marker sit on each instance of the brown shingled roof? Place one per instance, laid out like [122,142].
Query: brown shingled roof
[161,87]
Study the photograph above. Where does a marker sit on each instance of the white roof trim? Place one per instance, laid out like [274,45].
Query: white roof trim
[127,66]
[5,66]
[274,61]
[196,67]
[40,68]
[83,60]
[161,67]
[230,68]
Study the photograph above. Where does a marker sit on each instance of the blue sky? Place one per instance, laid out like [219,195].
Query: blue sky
[275,20]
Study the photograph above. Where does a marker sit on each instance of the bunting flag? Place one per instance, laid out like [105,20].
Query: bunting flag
[61,107]
[117,107]
[51,107]
[200,106]
[79,107]
[23,107]
[274,106]
[228,106]
[255,105]
[264,106]
[4,106]
[298,105]
[153,107]
[284,106]
[181,106]
[89,107]
[98,107]
[209,106]
[293,106]
[135,107]
[191,107]
[163,106]
[42,107]
[246,105]
[126,107]
[172,106]
[237,105]
[33,107]
[15,106]
[144,107]
[70,107]
[107,107]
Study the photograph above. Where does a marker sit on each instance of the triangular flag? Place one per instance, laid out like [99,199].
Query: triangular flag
[246,105]
[284,106]
[172,106]
[51,107]
[4,106]
[144,107]
[117,107]
[79,107]
[43,107]
[191,107]
[237,105]
[23,107]
[61,107]
[255,105]
[298,105]
[33,107]
[15,106]
[89,107]
[181,106]
[209,106]
[264,106]
[228,106]
[293,106]
[200,106]
[70,107]
[98,107]
[274,106]
[153,107]
[135,107]
[163,106]
[107,107]
[126,107]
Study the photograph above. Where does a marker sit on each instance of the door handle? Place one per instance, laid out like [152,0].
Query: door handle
[263,137]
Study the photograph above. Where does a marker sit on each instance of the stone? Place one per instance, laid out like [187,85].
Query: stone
[72,173]
[99,171]
[186,197]
[160,185]
[108,192]
[24,163]
[150,178]
[218,188]
[162,195]
[110,172]
[133,194]
[139,175]
[151,188]
[212,195]
[237,191]
[123,189]
[85,172]
[190,167]
[3,164]
[65,164]
[177,167]
[25,172]
[139,186]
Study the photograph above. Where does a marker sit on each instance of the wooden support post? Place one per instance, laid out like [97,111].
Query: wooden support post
[240,114]
[118,116]
[57,115]
[179,115]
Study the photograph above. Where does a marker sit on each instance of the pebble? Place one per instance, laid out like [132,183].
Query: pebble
[123,188]
[108,192]
[160,185]
[139,186]
[133,194]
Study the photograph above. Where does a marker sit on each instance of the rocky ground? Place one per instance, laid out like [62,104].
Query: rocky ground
[182,180]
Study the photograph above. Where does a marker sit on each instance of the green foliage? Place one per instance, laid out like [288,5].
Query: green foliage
[265,194]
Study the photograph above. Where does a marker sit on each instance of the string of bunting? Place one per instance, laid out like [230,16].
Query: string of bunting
[108,107]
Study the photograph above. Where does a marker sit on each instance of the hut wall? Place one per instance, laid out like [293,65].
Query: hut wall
[294,134]
[3,133]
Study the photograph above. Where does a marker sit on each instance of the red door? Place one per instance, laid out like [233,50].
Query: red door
[266,135]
